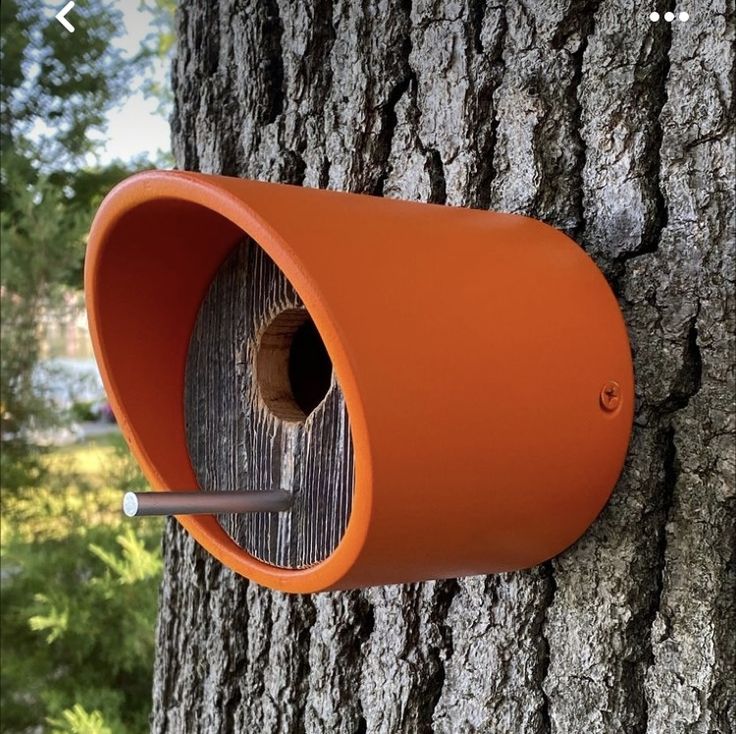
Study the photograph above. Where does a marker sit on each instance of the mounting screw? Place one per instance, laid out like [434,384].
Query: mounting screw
[611,396]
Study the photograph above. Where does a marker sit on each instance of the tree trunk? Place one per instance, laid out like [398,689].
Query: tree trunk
[619,131]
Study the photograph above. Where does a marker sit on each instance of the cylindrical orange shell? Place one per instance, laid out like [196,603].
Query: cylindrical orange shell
[472,348]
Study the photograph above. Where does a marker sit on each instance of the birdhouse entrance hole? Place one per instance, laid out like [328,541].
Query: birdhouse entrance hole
[293,369]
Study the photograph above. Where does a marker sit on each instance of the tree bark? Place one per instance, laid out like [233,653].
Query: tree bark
[619,131]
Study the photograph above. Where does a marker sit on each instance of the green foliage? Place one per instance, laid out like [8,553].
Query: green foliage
[57,86]
[83,411]
[78,587]
[46,115]
[79,591]
[77,720]
[159,44]
[162,37]
[43,229]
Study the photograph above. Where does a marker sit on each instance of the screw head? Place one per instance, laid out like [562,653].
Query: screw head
[611,396]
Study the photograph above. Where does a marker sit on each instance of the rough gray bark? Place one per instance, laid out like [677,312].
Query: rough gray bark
[594,119]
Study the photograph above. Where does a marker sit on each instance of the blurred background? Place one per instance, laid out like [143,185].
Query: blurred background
[80,111]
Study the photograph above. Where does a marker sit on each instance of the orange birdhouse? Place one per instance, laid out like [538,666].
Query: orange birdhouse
[479,368]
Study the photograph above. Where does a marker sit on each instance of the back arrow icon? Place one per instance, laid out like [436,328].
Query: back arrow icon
[61,17]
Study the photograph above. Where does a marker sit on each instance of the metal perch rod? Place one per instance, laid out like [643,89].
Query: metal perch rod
[136,504]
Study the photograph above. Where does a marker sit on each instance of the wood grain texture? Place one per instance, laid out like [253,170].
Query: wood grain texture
[235,442]
[589,117]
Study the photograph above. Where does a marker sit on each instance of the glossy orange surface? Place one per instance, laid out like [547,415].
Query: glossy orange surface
[472,349]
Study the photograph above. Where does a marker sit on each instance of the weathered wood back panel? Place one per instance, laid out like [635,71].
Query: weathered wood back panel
[236,442]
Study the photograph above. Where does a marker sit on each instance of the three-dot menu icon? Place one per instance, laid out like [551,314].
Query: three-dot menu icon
[682,16]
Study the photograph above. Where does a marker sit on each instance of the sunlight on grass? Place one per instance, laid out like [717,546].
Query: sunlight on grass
[90,457]
[85,485]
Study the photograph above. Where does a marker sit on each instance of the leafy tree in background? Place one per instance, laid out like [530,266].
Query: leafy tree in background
[79,590]
[59,84]
[57,89]
[159,44]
